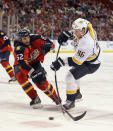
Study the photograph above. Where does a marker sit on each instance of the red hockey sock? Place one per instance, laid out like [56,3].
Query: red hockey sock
[8,68]
[48,89]
[29,89]
[32,93]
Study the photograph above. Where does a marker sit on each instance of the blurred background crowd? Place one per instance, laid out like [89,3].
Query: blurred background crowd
[51,17]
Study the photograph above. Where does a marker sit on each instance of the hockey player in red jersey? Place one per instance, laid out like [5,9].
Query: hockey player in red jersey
[5,50]
[29,54]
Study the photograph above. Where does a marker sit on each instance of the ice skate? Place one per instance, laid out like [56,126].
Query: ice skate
[69,104]
[36,103]
[13,79]
[78,96]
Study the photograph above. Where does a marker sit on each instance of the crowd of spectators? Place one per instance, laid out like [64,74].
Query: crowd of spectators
[51,17]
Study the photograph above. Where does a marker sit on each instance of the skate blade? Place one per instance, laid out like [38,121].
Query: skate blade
[79,100]
[37,106]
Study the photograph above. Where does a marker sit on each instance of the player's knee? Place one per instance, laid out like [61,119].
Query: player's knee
[70,80]
[43,86]
[41,76]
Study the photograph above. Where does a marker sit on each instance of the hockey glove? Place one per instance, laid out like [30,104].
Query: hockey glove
[38,76]
[32,74]
[63,37]
[46,48]
[57,64]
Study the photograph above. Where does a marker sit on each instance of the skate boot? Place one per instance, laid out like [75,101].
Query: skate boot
[12,79]
[69,104]
[36,103]
[78,96]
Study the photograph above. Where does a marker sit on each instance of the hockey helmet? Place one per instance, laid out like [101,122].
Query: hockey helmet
[23,33]
[80,24]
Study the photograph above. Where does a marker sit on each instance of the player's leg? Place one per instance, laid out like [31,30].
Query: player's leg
[49,90]
[42,82]
[6,65]
[28,88]
[73,91]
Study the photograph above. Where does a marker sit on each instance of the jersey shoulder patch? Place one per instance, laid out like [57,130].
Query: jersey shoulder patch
[2,33]
[18,45]
[18,48]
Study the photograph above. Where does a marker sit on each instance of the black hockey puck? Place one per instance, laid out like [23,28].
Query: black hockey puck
[51,118]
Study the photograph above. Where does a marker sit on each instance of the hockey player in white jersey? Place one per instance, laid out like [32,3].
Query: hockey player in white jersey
[86,60]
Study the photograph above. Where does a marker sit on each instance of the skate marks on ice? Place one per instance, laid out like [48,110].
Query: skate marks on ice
[94,114]
[47,111]
[42,120]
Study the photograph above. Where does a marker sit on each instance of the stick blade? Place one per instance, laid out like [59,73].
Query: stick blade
[80,116]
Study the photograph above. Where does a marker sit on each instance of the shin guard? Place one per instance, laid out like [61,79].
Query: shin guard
[48,89]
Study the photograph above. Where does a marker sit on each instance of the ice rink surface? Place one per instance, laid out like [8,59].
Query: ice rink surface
[97,90]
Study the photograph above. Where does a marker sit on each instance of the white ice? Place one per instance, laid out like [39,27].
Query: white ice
[97,90]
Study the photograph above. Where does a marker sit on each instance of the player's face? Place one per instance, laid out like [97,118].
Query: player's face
[26,40]
[79,33]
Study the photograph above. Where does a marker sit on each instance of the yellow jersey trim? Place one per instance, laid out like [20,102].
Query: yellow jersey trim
[93,57]
[91,31]
[76,61]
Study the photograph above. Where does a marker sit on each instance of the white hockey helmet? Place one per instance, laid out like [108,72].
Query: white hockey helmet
[80,24]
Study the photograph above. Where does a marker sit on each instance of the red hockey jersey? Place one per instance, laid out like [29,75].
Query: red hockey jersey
[27,55]
[4,43]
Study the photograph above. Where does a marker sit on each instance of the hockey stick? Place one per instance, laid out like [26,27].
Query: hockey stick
[55,73]
[56,81]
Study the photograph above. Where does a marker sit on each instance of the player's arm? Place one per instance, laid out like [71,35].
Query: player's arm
[4,41]
[22,57]
[64,36]
[45,44]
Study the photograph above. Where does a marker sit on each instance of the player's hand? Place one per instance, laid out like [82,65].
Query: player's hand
[32,73]
[38,76]
[46,48]
[57,64]
[63,37]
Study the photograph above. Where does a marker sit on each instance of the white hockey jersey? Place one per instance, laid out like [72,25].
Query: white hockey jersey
[87,49]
